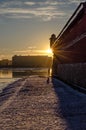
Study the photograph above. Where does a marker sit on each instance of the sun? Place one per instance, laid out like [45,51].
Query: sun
[49,51]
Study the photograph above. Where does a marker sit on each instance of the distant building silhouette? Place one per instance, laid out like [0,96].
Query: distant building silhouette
[31,61]
[5,63]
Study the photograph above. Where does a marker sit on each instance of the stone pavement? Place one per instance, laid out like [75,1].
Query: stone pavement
[32,104]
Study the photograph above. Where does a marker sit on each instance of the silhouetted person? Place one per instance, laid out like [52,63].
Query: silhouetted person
[52,40]
[48,74]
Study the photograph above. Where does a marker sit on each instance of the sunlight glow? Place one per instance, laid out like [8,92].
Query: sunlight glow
[49,51]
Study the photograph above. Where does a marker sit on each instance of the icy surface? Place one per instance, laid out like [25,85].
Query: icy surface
[32,104]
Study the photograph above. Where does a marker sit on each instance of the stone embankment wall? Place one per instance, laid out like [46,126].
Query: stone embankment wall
[74,74]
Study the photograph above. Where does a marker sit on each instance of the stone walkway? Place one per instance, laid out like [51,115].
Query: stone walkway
[32,104]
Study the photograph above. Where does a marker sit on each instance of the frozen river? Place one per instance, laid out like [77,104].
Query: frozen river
[9,75]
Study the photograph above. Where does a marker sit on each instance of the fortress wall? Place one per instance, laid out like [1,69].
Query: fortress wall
[74,74]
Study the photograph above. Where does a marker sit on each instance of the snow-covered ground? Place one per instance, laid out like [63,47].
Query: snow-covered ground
[5,82]
[32,104]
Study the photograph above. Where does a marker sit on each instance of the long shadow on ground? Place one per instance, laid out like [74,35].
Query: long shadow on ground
[72,105]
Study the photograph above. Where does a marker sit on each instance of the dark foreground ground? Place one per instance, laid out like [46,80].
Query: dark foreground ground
[32,104]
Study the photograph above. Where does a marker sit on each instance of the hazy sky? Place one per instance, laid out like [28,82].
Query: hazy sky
[26,25]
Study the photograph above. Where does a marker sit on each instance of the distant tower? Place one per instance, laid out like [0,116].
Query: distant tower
[52,40]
